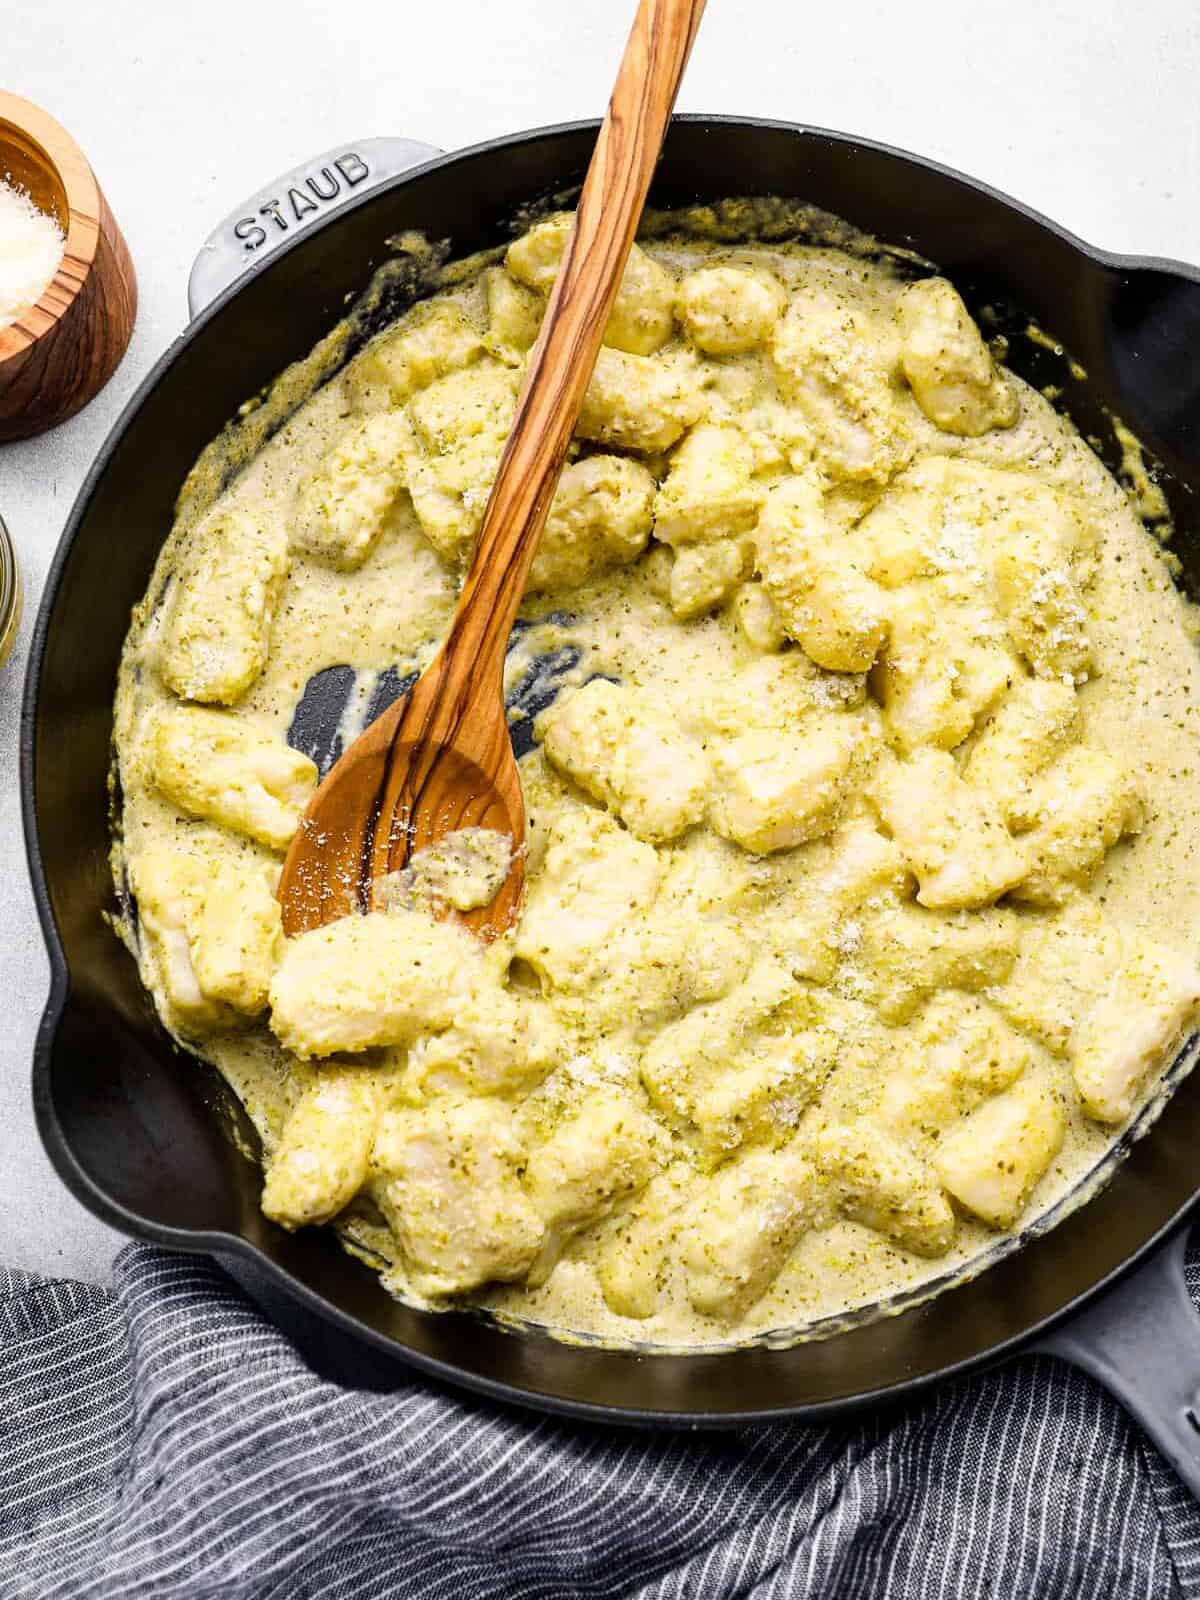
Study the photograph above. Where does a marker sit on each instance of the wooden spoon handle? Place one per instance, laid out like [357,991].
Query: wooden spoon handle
[560,365]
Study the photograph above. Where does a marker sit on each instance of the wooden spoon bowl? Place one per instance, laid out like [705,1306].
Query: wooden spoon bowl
[381,809]
[61,352]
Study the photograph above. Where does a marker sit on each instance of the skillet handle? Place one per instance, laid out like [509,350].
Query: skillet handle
[1142,1341]
[289,204]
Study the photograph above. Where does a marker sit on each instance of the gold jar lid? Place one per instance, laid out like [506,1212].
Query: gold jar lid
[10,594]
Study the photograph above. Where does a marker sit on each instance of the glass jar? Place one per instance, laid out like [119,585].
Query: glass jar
[10,594]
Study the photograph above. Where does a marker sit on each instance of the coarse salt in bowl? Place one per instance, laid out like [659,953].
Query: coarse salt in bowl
[31,247]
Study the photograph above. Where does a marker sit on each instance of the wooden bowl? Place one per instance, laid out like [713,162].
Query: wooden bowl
[62,351]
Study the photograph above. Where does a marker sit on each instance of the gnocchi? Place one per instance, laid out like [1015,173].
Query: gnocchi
[342,508]
[856,721]
[990,1162]
[957,384]
[447,1177]
[381,979]
[435,339]
[728,310]
[324,1151]
[742,1228]
[601,517]
[638,403]
[824,600]
[224,768]
[835,365]
[630,756]
[220,606]
[880,1183]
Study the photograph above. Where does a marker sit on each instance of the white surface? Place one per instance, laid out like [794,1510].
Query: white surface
[1085,109]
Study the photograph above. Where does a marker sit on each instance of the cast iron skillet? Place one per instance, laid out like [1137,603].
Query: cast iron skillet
[132,1124]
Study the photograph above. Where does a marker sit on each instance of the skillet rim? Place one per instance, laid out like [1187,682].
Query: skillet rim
[227,1246]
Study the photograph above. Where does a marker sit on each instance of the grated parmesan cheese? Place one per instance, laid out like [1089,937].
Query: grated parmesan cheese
[31,247]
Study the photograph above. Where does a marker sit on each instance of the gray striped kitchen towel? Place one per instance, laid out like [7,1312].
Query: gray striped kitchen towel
[167,1441]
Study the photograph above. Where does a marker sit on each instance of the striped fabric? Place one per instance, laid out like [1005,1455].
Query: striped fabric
[166,1441]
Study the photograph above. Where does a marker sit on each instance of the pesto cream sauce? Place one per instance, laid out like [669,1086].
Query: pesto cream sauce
[1143,701]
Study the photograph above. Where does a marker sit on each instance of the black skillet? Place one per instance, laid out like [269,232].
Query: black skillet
[138,1131]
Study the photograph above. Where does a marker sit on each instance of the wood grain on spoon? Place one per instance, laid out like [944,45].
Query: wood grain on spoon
[440,759]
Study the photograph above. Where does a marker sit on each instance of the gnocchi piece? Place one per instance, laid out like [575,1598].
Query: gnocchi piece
[985,506]
[629,1266]
[656,571]
[897,541]
[447,1180]
[862,867]
[687,1055]
[220,608]
[775,791]
[592,1161]
[949,368]
[743,1225]
[833,365]
[824,600]
[460,425]
[708,962]
[324,1150]
[1046,614]
[514,315]
[864,864]
[364,981]
[884,1186]
[1029,726]
[535,257]
[637,403]
[643,315]
[437,338]
[1065,964]
[594,878]
[708,493]
[943,666]
[703,576]
[728,310]
[759,1099]
[474,404]
[169,889]
[954,837]
[601,517]
[629,754]
[909,953]
[960,1051]
[462,870]
[993,1159]
[209,933]
[342,509]
[495,1046]
[228,769]
[1132,1030]
[1076,812]
[237,936]
[681,967]
[772,694]
[759,622]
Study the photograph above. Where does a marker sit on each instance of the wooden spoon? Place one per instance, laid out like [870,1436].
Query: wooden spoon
[440,758]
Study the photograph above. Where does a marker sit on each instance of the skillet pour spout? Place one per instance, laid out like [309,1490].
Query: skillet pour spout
[139,1132]
[1153,319]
